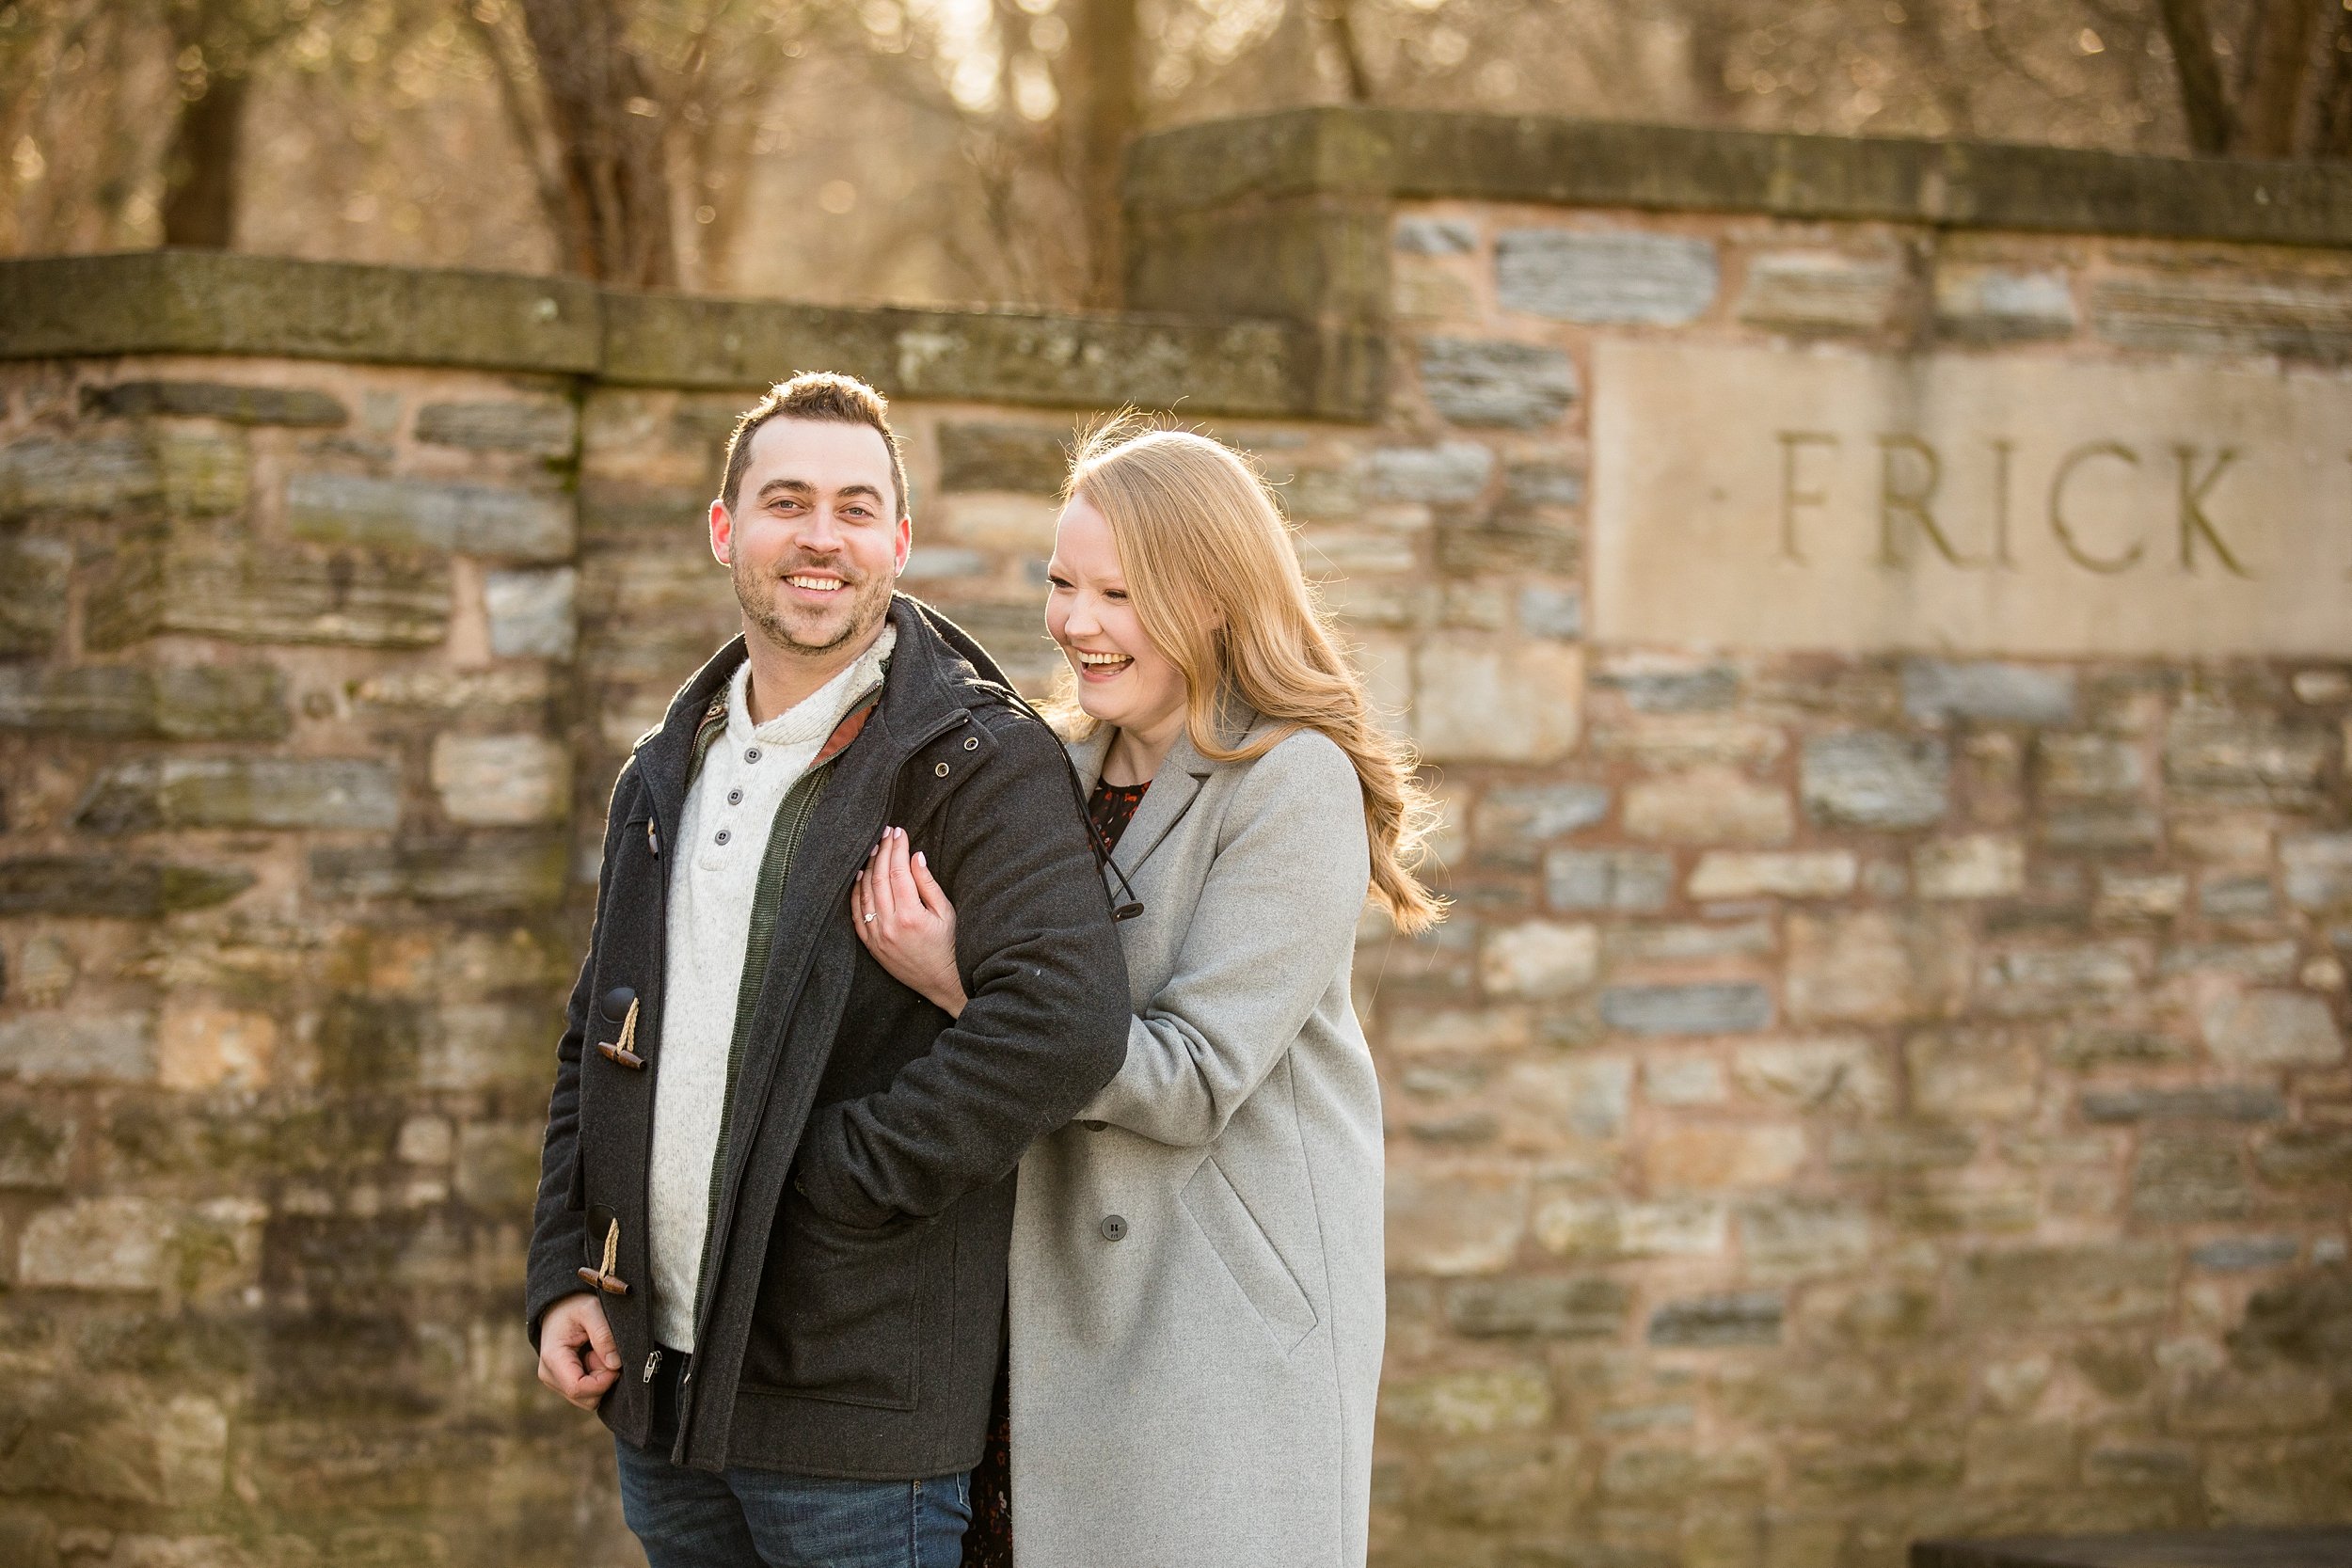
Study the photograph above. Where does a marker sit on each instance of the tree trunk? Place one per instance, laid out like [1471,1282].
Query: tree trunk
[2331,95]
[1341,23]
[2202,102]
[1101,92]
[2278,45]
[608,123]
[200,170]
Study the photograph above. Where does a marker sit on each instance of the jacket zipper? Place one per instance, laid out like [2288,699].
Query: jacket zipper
[714,1239]
[653,1051]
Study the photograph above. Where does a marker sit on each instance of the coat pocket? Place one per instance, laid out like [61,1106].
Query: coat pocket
[1241,1244]
[838,1312]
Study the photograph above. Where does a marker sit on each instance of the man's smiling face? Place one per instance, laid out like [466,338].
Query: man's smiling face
[816,540]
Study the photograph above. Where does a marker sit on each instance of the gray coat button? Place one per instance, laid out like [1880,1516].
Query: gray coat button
[1114,1228]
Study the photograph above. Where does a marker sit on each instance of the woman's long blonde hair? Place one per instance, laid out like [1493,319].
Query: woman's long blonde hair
[1213,576]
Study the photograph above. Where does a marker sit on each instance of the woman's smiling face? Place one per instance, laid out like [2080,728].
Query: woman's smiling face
[1123,680]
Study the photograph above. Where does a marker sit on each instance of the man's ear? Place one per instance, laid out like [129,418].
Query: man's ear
[722,533]
[906,542]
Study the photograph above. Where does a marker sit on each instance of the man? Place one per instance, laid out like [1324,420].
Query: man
[776,1191]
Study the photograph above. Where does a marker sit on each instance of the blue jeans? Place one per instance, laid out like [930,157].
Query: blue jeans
[741,1518]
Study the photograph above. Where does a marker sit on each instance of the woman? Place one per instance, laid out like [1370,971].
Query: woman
[1196,1298]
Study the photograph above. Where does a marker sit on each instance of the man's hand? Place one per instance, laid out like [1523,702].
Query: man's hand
[577,1355]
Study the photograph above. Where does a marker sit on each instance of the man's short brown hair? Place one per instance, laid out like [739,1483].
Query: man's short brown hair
[822,395]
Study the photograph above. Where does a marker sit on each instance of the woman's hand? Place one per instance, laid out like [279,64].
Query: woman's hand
[904,919]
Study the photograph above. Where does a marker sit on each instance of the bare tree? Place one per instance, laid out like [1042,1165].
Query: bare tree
[2331,95]
[2279,105]
[1101,89]
[2278,58]
[216,46]
[607,123]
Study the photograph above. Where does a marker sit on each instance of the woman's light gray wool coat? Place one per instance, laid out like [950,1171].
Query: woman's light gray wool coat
[1197,1282]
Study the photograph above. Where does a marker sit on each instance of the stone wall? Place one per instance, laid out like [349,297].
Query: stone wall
[1885,1071]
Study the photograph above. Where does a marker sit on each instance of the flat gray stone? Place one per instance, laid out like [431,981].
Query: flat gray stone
[1534,813]
[35,1149]
[112,886]
[1694,688]
[1901,1145]
[78,1046]
[2318,871]
[488,871]
[1651,279]
[33,575]
[1436,236]
[1801,292]
[2300,320]
[2273,1029]
[1526,486]
[1740,1318]
[1453,474]
[183,702]
[211,585]
[428,515]
[1520,386]
[226,402]
[2002,305]
[533,613]
[157,794]
[2247,759]
[2248,960]
[2296,1155]
[944,562]
[1621,879]
[2184,1174]
[1551,611]
[975,454]
[1587,1307]
[1937,690]
[2246,898]
[2244,1253]
[45,475]
[543,427]
[1707,1007]
[1875,779]
[2235,1102]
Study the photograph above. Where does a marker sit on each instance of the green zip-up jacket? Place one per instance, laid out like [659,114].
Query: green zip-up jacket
[853,1277]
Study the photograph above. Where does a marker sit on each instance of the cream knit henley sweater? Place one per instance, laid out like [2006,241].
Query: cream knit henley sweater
[714,876]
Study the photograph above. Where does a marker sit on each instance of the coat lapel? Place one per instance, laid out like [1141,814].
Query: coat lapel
[1173,788]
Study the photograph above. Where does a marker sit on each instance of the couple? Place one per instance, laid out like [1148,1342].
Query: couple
[865,943]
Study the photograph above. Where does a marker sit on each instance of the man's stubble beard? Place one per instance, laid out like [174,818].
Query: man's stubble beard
[869,602]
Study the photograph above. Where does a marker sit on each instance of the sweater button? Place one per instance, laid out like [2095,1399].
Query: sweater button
[751,753]
[721,836]
[1114,1228]
[735,796]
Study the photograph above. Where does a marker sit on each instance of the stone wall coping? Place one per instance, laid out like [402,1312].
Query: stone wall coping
[205,302]
[1395,154]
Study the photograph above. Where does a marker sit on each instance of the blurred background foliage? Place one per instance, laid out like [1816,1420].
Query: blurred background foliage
[968,151]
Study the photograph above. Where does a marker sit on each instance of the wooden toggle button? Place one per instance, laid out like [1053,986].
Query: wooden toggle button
[619,1051]
[603,1279]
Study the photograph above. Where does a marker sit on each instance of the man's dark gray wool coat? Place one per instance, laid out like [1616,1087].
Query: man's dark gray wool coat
[853,1283]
